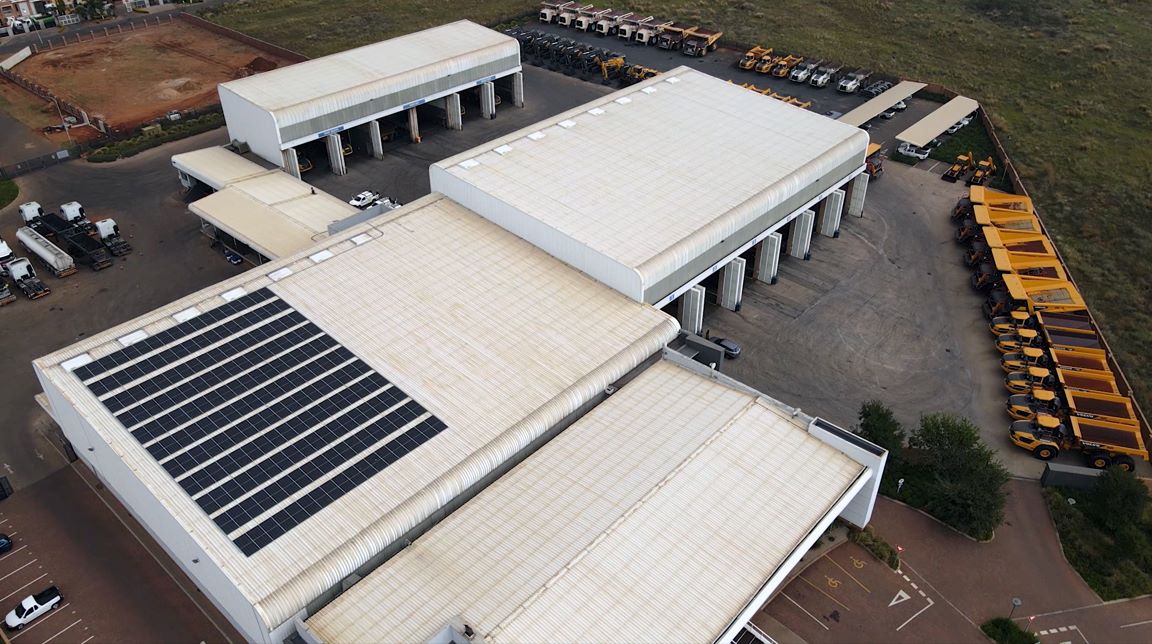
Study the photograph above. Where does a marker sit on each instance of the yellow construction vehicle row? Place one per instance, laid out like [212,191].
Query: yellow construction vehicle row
[1063,394]
[770,93]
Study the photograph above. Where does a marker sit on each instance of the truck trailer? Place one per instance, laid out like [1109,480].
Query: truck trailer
[54,259]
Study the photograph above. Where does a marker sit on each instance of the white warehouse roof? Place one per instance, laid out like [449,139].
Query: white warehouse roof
[334,91]
[649,187]
[614,532]
[468,343]
[216,166]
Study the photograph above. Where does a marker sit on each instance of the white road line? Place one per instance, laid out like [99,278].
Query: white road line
[17,591]
[933,166]
[88,640]
[930,604]
[3,521]
[1063,629]
[19,569]
[913,584]
[9,554]
[1147,621]
[822,624]
[1041,632]
[41,621]
[13,533]
[906,578]
[924,580]
[58,634]
[922,594]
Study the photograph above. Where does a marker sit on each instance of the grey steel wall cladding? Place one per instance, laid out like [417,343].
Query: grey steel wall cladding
[659,290]
[392,102]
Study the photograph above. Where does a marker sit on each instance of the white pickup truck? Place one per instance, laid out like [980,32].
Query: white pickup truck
[33,606]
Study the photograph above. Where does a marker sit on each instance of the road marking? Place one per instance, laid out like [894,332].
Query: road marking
[833,583]
[850,576]
[1147,621]
[3,521]
[9,554]
[914,586]
[58,634]
[785,596]
[856,563]
[922,594]
[933,166]
[821,591]
[924,580]
[1044,632]
[900,598]
[23,587]
[930,605]
[43,619]
[18,569]
[88,640]
[1063,629]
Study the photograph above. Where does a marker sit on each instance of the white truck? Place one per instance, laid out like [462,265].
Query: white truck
[26,280]
[851,83]
[803,71]
[627,27]
[73,213]
[54,259]
[19,23]
[6,257]
[32,215]
[824,75]
[33,606]
[609,23]
[549,11]
[109,234]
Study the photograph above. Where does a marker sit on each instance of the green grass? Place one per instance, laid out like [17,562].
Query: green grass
[8,192]
[1065,82]
[1005,631]
[1114,565]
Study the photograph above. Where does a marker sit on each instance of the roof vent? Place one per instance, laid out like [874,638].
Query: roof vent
[132,338]
[186,314]
[536,136]
[361,239]
[649,90]
[502,150]
[672,80]
[321,256]
[469,163]
[623,100]
[595,111]
[234,294]
[276,276]
[567,124]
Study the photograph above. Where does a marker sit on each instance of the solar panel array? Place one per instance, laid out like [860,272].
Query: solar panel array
[260,416]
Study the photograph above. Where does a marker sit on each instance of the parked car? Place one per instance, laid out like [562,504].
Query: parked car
[33,606]
[833,114]
[890,114]
[233,257]
[387,202]
[900,106]
[955,127]
[5,543]
[365,199]
[909,150]
[731,349]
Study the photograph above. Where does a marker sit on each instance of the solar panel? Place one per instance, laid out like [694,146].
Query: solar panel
[260,416]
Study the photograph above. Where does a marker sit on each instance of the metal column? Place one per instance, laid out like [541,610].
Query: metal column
[800,239]
[692,309]
[336,153]
[768,258]
[856,191]
[732,284]
[291,162]
[452,104]
[830,209]
[518,89]
[377,139]
[488,100]
[413,125]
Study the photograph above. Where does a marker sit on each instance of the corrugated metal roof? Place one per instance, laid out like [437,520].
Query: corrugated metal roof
[258,225]
[493,336]
[933,125]
[217,166]
[316,87]
[873,107]
[650,177]
[655,517]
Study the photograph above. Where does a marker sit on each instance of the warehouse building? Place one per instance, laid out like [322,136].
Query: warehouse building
[287,432]
[654,188]
[257,212]
[326,98]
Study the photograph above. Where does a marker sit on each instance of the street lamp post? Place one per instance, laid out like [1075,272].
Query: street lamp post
[63,124]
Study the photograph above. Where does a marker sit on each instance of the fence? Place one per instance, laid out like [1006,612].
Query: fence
[255,43]
[63,105]
[76,38]
[37,163]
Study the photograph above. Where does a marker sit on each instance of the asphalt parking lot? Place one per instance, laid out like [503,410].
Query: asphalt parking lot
[113,591]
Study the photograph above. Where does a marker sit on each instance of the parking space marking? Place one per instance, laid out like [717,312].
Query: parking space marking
[821,591]
[849,574]
[1147,621]
[1065,629]
[19,569]
[17,591]
[785,596]
[61,631]
[9,554]
[88,640]
[930,605]
[47,617]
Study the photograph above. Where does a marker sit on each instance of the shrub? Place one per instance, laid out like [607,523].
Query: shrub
[1005,631]
[903,158]
[1118,500]
[874,543]
[137,144]
[879,425]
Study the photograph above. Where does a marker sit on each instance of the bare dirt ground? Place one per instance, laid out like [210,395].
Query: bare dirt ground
[137,76]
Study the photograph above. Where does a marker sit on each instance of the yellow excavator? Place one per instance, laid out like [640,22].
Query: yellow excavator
[964,164]
[612,68]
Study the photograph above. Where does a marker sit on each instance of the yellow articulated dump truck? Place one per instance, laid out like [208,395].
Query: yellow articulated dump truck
[972,228]
[1020,382]
[1102,443]
[1032,294]
[988,274]
[980,250]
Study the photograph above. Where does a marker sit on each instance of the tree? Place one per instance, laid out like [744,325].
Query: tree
[879,425]
[1118,500]
[965,481]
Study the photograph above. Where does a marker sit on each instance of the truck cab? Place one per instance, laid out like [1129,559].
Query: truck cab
[588,17]
[609,23]
[569,13]
[802,72]
[6,257]
[31,212]
[73,213]
[628,27]
[1043,436]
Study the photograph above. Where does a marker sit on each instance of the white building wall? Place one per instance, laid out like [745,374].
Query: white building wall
[151,513]
[607,271]
[252,125]
[859,511]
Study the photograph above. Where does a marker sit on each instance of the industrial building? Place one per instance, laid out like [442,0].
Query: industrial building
[259,213]
[327,98]
[287,432]
[654,188]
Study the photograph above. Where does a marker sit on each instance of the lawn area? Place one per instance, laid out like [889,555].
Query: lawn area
[1064,81]
[8,192]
